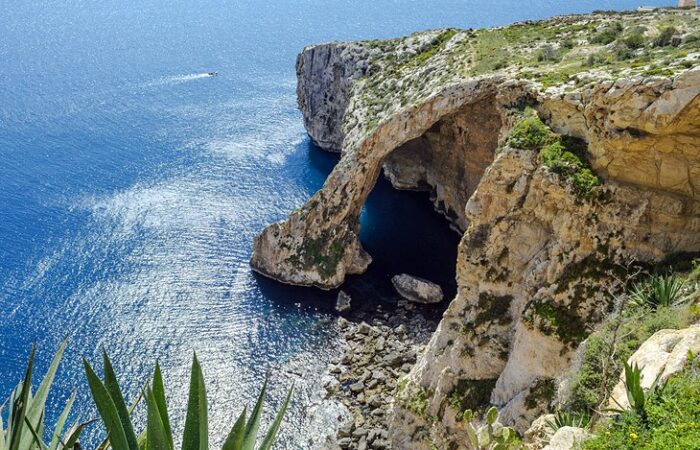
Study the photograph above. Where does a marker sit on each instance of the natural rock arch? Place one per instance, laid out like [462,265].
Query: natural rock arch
[318,245]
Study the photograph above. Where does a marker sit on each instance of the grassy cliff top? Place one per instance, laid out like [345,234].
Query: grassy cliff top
[563,52]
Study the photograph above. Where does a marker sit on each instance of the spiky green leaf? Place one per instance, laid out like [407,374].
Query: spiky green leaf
[115,393]
[251,430]
[156,435]
[107,409]
[274,428]
[159,396]
[234,440]
[196,436]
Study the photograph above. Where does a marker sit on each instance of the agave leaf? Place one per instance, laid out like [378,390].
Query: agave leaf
[35,436]
[115,392]
[21,406]
[143,442]
[107,409]
[159,397]
[73,436]
[196,436]
[156,436]
[53,445]
[251,430]
[234,440]
[2,430]
[274,428]
[35,411]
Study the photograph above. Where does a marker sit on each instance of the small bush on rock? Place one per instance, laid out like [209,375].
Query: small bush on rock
[559,159]
[530,132]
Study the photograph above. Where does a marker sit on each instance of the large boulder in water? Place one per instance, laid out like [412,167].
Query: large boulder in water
[416,289]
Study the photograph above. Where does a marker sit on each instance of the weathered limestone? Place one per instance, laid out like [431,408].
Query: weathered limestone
[330,71]
[416,289]
[660,357]
[567,438]
[534,254]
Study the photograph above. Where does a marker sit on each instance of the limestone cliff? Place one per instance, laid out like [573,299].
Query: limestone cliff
[441,111]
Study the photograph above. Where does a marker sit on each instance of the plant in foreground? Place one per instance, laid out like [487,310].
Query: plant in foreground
[158,434]
[26,413]
[568,419]
[492,435]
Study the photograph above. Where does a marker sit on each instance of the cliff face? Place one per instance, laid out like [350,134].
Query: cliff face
[439,111]
[329,71]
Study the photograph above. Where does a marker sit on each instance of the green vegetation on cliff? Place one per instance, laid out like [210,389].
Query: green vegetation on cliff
[566,51]
[560,154]
[672,420]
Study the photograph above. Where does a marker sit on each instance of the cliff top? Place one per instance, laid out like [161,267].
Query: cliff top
[566,53]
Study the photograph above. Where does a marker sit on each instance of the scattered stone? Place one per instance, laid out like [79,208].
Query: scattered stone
[357,387]
[365,376]
[343,302]
[416,289]
[343,323]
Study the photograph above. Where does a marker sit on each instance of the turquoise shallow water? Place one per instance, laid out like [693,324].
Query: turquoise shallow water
[132,184]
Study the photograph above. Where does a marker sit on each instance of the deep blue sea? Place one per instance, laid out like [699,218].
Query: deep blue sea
[132,185]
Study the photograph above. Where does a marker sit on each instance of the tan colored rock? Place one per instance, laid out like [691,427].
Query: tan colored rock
[661,356]
[533,255]
[567,438]
[416,289]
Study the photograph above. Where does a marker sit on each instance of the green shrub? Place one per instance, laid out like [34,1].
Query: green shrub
[559,159]
[665,37]
[634,330]
[673,421]
[606,35]
[530,132]
[635,40]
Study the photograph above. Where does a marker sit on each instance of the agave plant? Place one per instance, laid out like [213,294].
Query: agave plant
[26,413]
[660,291]
[568,419]
[636,395]
[158,434]
[492,435]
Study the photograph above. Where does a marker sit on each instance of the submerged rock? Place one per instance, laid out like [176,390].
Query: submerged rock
[343,302]
[416,289]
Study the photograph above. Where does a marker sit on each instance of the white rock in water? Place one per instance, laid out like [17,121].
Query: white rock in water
[343,302]
[417,289]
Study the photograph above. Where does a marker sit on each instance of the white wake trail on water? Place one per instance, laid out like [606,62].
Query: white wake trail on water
[178,79]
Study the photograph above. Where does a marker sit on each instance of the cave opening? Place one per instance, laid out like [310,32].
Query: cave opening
[400,228]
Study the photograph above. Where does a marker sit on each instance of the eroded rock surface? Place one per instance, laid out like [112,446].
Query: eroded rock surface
[416,289]
[534,252]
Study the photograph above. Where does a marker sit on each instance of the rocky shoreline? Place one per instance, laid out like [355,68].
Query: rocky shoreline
[364,379]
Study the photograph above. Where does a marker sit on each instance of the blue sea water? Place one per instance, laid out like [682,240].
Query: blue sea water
[132,185]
